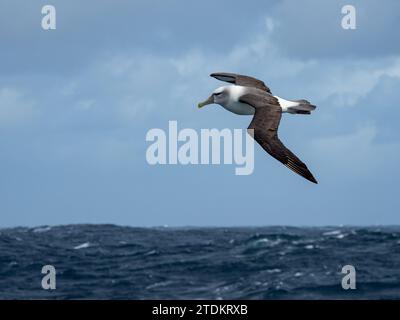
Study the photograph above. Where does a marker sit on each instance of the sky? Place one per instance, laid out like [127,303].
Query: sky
[76,104]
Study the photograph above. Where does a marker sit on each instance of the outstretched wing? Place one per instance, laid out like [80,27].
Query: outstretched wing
[265,124]
[241,80]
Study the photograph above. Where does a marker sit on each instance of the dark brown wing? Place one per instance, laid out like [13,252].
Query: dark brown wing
[265,124]
[241,80]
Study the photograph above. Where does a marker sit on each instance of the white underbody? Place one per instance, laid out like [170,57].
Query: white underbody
[235,106]
[239,108]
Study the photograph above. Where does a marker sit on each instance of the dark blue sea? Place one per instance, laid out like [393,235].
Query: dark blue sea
[113,262]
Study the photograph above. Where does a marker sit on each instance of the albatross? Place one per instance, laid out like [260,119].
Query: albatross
[250,96]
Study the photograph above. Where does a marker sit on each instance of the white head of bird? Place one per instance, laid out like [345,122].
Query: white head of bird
[229,98]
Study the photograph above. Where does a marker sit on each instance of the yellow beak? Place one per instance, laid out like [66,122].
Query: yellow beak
[210,100]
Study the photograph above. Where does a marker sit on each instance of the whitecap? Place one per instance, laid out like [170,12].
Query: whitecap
[276,270]
[82,246]
[309,247]
[150,253]
[269,243]
[159,284]
[331,233]
[296,242]
[262,240]
[41,229]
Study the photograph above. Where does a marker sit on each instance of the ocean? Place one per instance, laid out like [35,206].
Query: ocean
[115,262]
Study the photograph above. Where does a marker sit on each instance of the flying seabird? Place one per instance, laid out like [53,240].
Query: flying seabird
[250,96]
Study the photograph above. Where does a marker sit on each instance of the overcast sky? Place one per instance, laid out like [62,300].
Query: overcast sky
[76,104]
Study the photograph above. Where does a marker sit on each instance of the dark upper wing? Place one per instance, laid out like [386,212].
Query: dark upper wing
[265,124]
[241,80]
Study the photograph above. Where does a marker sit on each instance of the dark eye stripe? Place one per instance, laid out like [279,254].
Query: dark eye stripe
[216,94]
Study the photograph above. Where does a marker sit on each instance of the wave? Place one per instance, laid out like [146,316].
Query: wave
[112,262]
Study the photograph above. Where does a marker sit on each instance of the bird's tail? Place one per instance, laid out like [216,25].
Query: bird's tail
[302,107]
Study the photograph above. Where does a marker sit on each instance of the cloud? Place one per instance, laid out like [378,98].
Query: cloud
[101,151]
[86,104]
[15,108]
[95,88]
[356,156]
[351,154]
[131,87]
[313,29]
[336,81]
